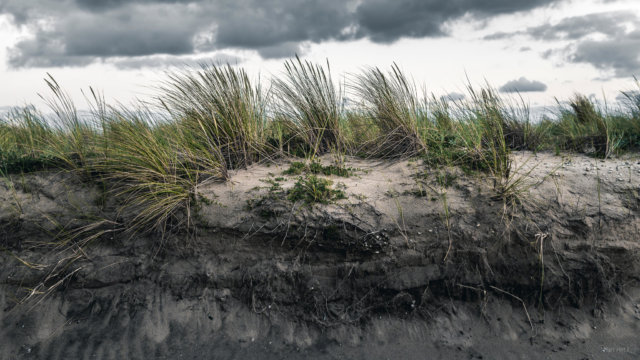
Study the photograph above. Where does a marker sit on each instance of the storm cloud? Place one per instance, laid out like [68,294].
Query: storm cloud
[576,27]
[78,32]
[619,54]
[523,85]
[386,21]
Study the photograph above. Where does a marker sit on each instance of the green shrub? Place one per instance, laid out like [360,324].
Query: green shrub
[312,189]
[315,167]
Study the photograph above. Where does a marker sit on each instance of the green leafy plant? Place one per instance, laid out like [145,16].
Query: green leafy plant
[316,167]
[312,189]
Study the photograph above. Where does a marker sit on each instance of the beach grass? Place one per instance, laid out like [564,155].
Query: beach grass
[210,120]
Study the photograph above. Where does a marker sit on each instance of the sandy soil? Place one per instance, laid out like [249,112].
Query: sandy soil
[408,266]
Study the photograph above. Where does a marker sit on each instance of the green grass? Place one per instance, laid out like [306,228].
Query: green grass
[315,167]
[156,167]
[310,106]
[392,106]
[222,106]
[311,190]
[209,120]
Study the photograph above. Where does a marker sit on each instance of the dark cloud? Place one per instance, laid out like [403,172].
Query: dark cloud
[386,21]
[615,50]
[155,61]
[574,28]
[286,50]
[620,54]
[262,23]
[523,85]
[77,32]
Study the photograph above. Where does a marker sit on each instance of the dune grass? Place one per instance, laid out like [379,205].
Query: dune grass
[221,104]
[310,107]
[392,106]
[155,167]
[213,119]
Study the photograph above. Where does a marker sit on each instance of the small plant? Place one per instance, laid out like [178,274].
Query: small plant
[275,188]
[316,167]
[446,178]
[312,189]
[295,168]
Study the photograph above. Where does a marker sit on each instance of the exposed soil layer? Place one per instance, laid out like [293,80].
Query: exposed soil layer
[416,263]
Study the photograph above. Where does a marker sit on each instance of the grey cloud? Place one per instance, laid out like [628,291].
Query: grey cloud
[573,28]
[286,50]
[501,35]
[156,61]
[620,54]
[77,32]
[576,27]
[81,37]
[615,52]
[261,23]
[386,21]
[523,85]
[128,32]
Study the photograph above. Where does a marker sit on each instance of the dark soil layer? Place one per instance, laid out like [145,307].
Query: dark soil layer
[545,282]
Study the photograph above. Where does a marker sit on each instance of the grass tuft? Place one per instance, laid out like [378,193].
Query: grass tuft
[221,106]
[391,104]
[156,167]
[312,105]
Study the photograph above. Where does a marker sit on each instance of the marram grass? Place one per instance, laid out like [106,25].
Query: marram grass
[214,119]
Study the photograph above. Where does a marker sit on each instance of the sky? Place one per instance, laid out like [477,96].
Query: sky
[539,49]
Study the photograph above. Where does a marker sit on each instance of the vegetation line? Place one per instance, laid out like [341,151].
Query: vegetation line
[209,120]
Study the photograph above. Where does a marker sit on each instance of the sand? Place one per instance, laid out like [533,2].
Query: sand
[403,268]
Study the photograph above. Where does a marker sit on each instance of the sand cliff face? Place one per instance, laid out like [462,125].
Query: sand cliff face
[414,261]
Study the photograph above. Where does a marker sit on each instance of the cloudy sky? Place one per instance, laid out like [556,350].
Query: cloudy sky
[540,48]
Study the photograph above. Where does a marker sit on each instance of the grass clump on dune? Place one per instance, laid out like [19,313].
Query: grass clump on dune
[222,106]
[30,141]
[156,168]
[583,127]
[23,135]
[311,105]
[391,104]
[72,140]
[214,119]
